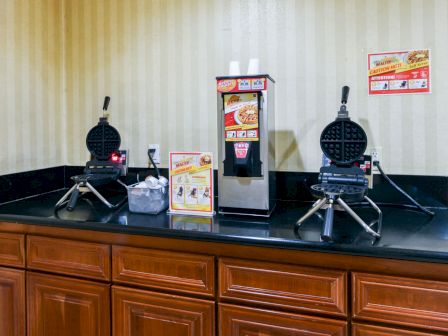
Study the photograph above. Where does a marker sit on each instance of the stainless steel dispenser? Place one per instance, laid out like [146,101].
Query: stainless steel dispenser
[246,145]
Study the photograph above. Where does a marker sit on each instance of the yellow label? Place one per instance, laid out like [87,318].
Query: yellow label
[386,68]
[413,66]
[242,139]
[195,169]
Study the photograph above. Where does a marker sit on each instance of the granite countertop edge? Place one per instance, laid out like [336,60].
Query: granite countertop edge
[271,242]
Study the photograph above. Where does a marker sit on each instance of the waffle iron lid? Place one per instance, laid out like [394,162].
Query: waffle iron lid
[343,141]
[102,140]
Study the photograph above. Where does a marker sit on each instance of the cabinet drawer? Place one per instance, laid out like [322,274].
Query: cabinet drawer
[181,272]
[12,249]
[398,300]
[69,257]
[369,330]
[242,321]
[285,286]
[139,313]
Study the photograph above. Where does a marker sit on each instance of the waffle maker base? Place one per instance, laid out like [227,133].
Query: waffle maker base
[349,193]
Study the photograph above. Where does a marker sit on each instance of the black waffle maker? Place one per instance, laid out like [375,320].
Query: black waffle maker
[343,142]
[107,164]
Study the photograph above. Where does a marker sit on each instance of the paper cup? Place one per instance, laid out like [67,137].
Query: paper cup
[234,68]
[254,67]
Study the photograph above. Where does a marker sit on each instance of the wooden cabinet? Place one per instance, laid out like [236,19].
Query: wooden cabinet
[285,286]
[173,271]
[140,313]
[141,285]
[59,306]
[399,300]
[12,249]
[242,321]
[12,302]
[69,257]
[370,330]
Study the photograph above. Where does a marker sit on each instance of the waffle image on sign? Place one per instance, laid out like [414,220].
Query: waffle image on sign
[248,114]
[205,160]
[233,99]
[418,56]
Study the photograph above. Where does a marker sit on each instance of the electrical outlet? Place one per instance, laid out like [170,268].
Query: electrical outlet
[156,155]
[377,154]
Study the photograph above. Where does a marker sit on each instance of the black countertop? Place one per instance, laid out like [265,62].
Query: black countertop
[407,234]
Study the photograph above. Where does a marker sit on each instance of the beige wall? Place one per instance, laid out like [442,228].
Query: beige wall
[31,100]
[158,59]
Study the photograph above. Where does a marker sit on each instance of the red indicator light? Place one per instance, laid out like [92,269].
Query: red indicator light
[115,157]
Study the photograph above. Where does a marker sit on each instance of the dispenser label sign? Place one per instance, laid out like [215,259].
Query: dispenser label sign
[241,84]
[226,85]
[258,83]
[241,117]
[241,149]
[191,183]
[399,72]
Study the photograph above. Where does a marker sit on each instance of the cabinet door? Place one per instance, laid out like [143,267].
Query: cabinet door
[12,302]
[242,321]
[59,306]
[140,313]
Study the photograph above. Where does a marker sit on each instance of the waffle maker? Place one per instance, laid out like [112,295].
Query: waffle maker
[343,142]
[108,163]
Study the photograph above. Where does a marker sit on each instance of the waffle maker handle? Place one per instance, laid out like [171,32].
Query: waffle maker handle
[327,231]
[343,113]
[71,205]
[106,103]
[345,92]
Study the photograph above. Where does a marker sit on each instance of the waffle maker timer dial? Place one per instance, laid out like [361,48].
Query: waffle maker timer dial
[343,142]
[108,163]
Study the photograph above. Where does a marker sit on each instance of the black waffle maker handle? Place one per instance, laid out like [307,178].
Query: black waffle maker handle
[345,92]
[106,103]
[343,113]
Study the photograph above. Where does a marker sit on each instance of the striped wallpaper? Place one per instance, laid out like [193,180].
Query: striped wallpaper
[31,83]
[157,59]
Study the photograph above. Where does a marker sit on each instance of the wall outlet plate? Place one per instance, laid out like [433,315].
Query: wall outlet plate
[377,155]
[156,155]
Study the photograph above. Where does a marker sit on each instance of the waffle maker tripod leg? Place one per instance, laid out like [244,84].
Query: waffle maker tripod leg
[357,218]
[328,223]
[316,206]
[67,194]
[329,216]
[73,193]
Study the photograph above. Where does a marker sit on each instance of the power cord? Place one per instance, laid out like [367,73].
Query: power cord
[151,152]
[393,184]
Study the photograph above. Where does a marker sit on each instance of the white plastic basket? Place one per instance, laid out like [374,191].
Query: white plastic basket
[146,200]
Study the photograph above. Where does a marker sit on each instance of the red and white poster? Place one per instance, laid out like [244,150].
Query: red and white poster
[399,72]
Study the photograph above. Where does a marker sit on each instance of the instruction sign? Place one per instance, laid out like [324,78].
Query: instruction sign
[399,72]
[191,183]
